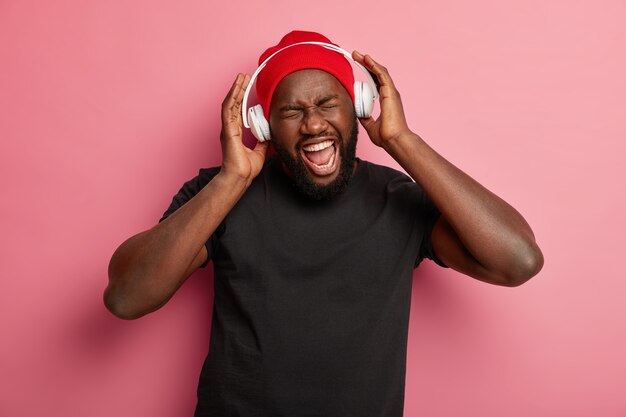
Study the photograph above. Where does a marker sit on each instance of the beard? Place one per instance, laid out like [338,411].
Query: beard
[302,180]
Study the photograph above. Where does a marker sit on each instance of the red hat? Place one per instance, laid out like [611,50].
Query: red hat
[300,57]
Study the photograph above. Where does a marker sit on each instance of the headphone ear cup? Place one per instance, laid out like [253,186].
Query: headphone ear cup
[358,100]
[366,99]
[258,124]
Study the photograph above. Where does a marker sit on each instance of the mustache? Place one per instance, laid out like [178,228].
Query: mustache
[319,135]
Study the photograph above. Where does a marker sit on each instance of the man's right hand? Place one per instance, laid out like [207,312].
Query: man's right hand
[238,160]
[148,268]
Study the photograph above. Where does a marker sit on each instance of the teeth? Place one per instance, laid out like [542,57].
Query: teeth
[318,146]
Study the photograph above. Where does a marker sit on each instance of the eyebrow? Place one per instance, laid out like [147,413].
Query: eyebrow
[326,99]
[322,101]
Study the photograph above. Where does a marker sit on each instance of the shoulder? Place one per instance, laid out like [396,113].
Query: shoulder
[382,171]
[190,188]
[195,184]
[205,175]
[383,175]
[394,184]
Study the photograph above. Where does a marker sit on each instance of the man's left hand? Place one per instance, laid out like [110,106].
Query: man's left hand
[391,123]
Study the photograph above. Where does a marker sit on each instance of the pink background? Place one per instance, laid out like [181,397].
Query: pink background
[107,107]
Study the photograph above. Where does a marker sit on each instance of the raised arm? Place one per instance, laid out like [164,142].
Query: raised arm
[147,269]
[478,234]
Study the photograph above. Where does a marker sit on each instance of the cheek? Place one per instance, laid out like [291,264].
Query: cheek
[282,140]
[343,123]
[281,126]
[281,133]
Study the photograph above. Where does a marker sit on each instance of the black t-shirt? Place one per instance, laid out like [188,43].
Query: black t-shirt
[312,298]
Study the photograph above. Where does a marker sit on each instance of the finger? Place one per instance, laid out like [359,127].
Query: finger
[232,101]
[227,103]
[237,90]
[367,123]
[233,88]
[261,148]
[382,74]
[239,93]
[358,57]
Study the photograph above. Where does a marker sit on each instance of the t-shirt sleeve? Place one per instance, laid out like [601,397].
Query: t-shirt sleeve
[186,193]
[428,214]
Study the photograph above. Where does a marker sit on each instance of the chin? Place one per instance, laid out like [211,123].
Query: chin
[306,179]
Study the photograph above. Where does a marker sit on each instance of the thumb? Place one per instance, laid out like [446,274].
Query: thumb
[368,124]
[261,147]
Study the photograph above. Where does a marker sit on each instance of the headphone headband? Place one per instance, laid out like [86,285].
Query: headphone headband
[330,46]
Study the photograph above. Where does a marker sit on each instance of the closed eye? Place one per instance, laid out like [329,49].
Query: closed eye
[291,114]
[289,111]
[328,102]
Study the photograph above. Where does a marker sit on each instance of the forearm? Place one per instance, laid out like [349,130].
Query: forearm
[492,231]
[147,269]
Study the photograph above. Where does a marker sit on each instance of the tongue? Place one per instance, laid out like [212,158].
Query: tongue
[320,157]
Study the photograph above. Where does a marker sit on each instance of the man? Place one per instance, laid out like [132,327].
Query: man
[313,248]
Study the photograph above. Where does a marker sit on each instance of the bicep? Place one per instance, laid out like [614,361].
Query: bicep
[199,260]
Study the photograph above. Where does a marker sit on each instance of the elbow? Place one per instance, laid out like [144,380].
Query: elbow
[121,296]
[527,264]
[118,307]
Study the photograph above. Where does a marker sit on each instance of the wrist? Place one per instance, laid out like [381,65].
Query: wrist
[399,144]
[231,181]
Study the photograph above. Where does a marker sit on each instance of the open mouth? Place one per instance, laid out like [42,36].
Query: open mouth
[321,158]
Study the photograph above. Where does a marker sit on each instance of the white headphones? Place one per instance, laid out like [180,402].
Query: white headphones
[365,95]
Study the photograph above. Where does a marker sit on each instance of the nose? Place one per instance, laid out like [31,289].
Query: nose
[313,122]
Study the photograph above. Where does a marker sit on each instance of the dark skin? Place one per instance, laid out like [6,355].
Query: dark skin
[308,107]
[478,234]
